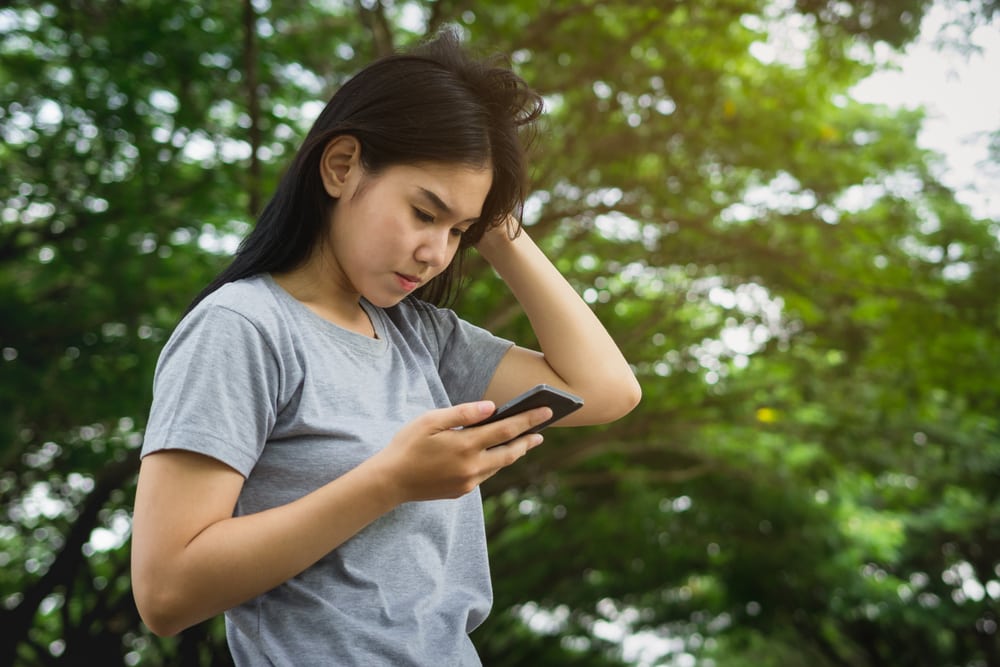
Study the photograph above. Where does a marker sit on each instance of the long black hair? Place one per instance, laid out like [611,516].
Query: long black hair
[434,104]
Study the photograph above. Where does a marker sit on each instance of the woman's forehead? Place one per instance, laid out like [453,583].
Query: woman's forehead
[457,190]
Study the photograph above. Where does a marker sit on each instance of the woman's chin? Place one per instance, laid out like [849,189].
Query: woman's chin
[384,300]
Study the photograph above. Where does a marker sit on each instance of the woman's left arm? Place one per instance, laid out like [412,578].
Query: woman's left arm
[577,353]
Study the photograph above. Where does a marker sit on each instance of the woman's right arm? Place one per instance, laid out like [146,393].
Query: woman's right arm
[192,559]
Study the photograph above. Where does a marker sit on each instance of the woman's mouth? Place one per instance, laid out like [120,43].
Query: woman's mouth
[407,282]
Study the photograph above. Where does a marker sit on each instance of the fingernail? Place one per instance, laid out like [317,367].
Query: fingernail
[486,407]
[536,439]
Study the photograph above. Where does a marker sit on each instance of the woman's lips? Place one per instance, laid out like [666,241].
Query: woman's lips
[408,282]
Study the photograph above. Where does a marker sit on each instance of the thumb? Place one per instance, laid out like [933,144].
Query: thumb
[463,414]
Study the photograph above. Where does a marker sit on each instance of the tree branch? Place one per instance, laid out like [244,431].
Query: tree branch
[635,475]
[18,621]
[253,104]
[377,23]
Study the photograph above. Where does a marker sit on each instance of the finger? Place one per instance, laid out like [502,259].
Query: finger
[504,455]
[507,429]
[463,414]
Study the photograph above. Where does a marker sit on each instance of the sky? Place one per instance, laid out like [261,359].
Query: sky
[961,94]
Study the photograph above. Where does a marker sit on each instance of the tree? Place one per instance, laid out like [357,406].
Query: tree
[812,475]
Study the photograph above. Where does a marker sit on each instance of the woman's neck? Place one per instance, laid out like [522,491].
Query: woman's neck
[320,289]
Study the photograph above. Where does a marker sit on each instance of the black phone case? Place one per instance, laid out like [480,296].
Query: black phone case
[561,402]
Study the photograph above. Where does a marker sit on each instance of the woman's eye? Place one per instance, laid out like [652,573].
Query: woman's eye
[455,231]
[422,216]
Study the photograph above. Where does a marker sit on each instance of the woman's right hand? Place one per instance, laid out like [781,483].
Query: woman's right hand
[192,559]
[442,454]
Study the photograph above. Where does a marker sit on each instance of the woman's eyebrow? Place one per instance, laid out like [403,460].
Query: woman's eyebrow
[436,202]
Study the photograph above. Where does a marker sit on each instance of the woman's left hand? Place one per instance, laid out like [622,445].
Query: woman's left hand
[577,353]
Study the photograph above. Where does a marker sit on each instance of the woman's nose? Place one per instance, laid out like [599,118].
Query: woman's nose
[434,248]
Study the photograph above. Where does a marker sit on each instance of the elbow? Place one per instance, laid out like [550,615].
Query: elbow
[156,614]
[627,394]
[615,400]
[158,628]
[630,395]
[159,606]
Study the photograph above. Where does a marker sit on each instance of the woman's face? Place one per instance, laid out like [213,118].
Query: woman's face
[394,231]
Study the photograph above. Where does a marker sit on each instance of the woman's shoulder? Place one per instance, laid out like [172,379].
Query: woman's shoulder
[248,296]
[249,299]
[236,319]
[238,293]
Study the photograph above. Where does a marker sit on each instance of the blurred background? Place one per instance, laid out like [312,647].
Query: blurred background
[811,303]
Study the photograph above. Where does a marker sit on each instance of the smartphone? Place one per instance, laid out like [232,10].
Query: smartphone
[542,395]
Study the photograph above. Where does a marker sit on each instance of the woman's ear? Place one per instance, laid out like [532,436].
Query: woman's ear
[340,165]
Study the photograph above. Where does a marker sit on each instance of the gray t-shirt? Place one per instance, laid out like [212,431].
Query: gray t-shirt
[255,379]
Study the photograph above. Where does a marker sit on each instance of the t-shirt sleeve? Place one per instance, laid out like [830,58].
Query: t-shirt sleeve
[468,355]
[215,391]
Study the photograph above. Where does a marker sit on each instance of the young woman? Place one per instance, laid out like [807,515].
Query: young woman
[304,469]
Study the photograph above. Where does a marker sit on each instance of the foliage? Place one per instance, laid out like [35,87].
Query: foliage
[812,477]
